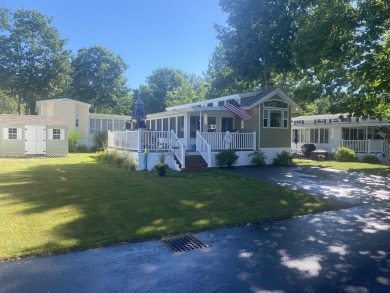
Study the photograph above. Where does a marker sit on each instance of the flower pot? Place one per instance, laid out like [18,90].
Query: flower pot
[161,171]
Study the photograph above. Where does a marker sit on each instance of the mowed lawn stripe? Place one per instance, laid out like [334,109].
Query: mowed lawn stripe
[54,205]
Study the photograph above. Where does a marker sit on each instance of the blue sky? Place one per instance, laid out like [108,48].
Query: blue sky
[147,34]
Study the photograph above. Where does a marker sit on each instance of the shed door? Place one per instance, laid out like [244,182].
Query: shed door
[35,140]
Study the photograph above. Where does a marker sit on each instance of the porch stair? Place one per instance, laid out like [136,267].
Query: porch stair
[195,162]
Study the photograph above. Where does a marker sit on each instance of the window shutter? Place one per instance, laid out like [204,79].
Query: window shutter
[62,134]
[19,133]
[50,134]
[5,133]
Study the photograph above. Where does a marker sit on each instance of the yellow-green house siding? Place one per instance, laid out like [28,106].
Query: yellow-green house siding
[275,137]
[267,137]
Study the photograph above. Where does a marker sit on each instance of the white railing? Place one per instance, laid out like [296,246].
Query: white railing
[386,149]
[178,149]
[203,147]
[139,140]
[230,140]
[367,146]
[127,140]
[359,146]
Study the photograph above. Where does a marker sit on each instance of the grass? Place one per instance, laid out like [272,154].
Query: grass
[54,205]
[373,169]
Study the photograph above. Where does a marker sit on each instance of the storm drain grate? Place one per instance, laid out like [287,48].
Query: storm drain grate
[183,243]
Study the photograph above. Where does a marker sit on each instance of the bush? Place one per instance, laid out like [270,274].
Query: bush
[73,140]
[100,141]
[226,158]
[344,154]
[284,158]
[115,158]
[371,159]
[82,149]
[258,158]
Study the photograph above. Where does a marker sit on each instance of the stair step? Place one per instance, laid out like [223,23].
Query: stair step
[194,163]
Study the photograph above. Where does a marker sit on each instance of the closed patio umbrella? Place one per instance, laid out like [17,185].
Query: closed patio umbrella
[139,113]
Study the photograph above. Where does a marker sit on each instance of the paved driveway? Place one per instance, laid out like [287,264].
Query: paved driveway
[342,251]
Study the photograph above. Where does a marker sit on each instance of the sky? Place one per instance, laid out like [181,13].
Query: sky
[147,34]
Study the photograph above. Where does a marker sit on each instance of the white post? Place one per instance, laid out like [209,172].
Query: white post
[254,141]
[139,140]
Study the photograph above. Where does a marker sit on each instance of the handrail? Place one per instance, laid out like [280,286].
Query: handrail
[178,149]
[203,148]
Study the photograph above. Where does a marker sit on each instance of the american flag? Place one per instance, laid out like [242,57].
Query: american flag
[383,135]
[235,108]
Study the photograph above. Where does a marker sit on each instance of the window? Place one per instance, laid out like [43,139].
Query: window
[56,133]
[165,124]
[180,127]
[159,125]
[77,122]
[93,126]
[148,124]
[275,114]
[195,122]
[153,125]
[172,122]
[227,124]
[211,124]
[104,125]
[12,133]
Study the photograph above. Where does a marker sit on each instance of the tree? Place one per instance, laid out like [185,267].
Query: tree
[258,39]
[98,78]
[343,44]
[335,51]
[33,61]
[168,87]
[8,105]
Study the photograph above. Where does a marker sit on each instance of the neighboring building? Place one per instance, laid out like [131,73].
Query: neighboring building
[330,131]
[23,136]
[209,126]
[80,120]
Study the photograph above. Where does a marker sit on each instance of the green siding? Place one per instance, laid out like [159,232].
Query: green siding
[275,137]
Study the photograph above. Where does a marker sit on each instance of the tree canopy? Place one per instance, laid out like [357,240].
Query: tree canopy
[98,79]
[33,61]
[168,87]
[334,51]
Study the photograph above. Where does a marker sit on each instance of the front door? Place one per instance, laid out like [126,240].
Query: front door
[35,140]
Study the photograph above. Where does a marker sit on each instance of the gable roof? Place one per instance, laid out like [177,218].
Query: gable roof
[267,94]
[246,100]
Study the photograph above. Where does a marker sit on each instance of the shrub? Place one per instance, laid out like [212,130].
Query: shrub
[258,158]
[344,154]
[100,140]
[82,149]
[226,158]
[371,159]
[115,158]
[283,158]
[73,140]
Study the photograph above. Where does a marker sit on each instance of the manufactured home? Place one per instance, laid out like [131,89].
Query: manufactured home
[330,131]
[80,120]
[244,122]
[24,136]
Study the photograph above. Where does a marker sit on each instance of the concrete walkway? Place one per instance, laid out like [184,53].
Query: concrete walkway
[342,251]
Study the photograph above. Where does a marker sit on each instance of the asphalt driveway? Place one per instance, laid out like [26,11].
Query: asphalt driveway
[341,251]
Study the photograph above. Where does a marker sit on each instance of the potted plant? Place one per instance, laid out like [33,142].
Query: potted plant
[161,166]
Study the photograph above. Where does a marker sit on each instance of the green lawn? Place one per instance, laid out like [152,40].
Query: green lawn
[374,169]
[53,205]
